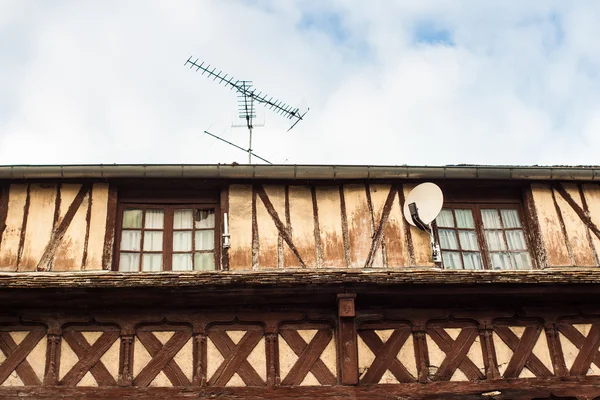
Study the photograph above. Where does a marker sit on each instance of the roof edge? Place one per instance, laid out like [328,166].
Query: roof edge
[300,172]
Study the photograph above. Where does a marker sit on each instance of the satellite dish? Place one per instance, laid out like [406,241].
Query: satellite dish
[423,204]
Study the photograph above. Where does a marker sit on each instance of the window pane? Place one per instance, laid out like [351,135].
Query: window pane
[152,262]
[448,239]
[129,262]
[206,220]
[130,240]
[472,260]
[205,240]
[516,240]
[468,240]
[464,218]
[500,261]
[182,262]
[521,260]
[491,219]
[495,240]
[182,241]
[445,219]
[132,219]
[451,260]
[204,261]
[154,219]
[510,218]
[183,219]
[153,241]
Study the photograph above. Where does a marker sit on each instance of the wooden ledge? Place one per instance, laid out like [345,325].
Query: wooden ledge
[298,278]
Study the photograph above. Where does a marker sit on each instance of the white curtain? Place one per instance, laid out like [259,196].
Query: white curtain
[516,240]
[445,219]
[464,218]
[491,219]
[131,240]
[182,262]
[152,262]
[501,261]
[183,219]
[132,219]
[204,261]
[182,241]
[205,240]
[448,239]
[451,260]
[207,219]
[521,260]
[472,260]
[510,218]
[129,262]
[495,240]
[153,241]
[468,240]
[154,219]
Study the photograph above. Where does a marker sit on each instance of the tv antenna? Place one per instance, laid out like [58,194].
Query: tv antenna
[421,208]
[247,96]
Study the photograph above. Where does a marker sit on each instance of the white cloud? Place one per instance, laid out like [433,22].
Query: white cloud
[91,82]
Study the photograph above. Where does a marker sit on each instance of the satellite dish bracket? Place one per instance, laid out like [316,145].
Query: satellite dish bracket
[414,214]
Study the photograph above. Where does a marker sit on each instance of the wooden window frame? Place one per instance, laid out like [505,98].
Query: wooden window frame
[167,250]
[476,207]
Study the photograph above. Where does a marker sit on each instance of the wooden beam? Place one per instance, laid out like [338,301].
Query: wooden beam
[347,343]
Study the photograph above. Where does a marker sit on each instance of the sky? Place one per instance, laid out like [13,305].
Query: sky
[417,82]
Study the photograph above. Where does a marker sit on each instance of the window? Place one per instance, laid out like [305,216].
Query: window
[482,236]
[166,238]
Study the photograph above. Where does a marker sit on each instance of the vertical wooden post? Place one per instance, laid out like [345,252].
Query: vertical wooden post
[200,359]
[421,352]
[555,348]
[347,339]
[272,347]
[52,357]
[126,359]
[486,332]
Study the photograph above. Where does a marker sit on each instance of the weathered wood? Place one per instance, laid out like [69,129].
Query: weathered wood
[456,353]
[3,211]
[386,356]
[308,357]
[110,232]
[380,227]
[235,358]
[13,232]
[89,358]
[522,352]
[581,388]
[16,357]
[347,341]
[162,358]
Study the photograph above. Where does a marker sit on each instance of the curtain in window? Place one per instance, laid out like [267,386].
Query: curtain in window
[464,219]
[445,219]
[516,240]
[451,260]
[448,239]
[129,262]
[468,240]
[205,240]
[510,218]
[153,241]
[491,219]
[131,240]
[182,262]
[501,261]
[152,262]
[132,219]
[183,219]
[182,241]
[495,240]
[206,220]
[204,261]
[472,260]
[154,219]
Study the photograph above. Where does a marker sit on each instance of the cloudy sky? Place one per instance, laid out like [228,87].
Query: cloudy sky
[387,82]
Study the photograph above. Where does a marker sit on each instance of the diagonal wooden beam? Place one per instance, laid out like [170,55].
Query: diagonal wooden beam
[522,351]
[161,358]
[378,237]
[260,191]
[81,347]
[445,342]
[235,358]
[577,338]
[386,356]
[587,353]
[584,216]
[16,357]
[307,359]
[60,230]
[171,369]
[88,359]
[298,346]
[456,356]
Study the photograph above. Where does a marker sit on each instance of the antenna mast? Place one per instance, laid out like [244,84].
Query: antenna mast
[247,96]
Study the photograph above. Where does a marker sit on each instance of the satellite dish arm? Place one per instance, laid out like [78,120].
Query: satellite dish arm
[414,214]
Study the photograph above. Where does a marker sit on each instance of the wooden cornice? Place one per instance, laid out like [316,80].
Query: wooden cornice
[298,278]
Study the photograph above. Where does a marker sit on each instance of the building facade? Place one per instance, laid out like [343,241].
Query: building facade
[296,282]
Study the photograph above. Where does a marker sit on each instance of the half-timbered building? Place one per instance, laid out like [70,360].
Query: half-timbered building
[298,282]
